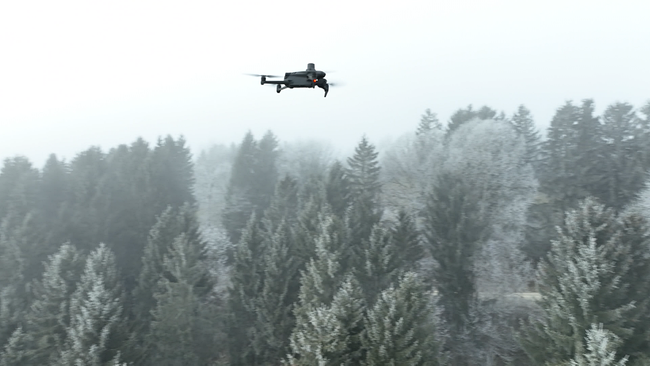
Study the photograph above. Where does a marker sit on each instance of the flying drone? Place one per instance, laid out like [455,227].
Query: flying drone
[309,78]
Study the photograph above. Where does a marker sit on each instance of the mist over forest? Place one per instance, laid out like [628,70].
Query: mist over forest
[475,239]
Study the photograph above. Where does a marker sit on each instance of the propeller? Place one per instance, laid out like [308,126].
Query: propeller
[258,75]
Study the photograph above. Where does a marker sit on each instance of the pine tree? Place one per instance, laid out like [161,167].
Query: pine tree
[178,328]
[252,182]
[15,351]
[600,349]
[624,172]
[365,188]
[93,336]
[54,191]
[246,283]
[580,284]
[337,189]
[465,115]
[170,224]
[399,328]
[266,171]
[18,188]
[381,266]
[635,238]
[172,173]
[523,123]
[274,304]
[452,232]
[324,272]
[330,334]
[11,282]
[49,316]
[129,199]
[428,123]
[83,216]
[406,240]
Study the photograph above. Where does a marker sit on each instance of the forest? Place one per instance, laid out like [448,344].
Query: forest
[478,241]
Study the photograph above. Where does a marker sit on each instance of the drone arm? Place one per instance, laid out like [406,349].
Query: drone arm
[280,82]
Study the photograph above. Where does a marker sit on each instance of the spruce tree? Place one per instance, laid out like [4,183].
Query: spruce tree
[523,123]
[240,193]
[600,349]
[365,188]
[325,272]
[452,231]
[399,328]
[11,282]
[581,284]
[170,224]
[405,237]
[624,172]
[172,173]
[337,189]
[83,215]
[179,326]
[330,334]
[381,264]
[274,304]
[428,123]
[465,115]
[95,331]
[49,315]
[15,351]
[246,284]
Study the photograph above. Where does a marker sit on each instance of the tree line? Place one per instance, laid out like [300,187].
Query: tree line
[264,253]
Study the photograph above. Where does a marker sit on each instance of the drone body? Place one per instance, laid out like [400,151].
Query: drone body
[309,78]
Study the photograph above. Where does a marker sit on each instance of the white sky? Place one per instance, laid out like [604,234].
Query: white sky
[80,73]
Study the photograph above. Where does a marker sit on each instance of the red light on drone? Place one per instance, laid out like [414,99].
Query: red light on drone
[315,80]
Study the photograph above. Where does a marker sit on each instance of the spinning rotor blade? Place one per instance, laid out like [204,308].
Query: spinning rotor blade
[258,75]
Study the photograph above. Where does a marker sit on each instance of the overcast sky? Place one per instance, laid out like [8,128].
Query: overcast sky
[79,73]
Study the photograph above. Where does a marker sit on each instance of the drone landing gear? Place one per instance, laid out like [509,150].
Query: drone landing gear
[279,88]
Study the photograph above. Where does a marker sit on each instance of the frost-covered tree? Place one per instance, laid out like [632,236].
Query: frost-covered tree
[180,329]
[95,330]
[581,284]
[399,328]
[622,154]
[11,281]
[365,188]
[169,225]
[49,316]
[274,304]
[524,124]
[490,156]
[305,160]
[247,276]
[428,123]
[212,171]
[252,182]
[330,334]
[337,189]
[15,351]
[409,166]
[462,116]
[381,266]
[599,350]
[326,270]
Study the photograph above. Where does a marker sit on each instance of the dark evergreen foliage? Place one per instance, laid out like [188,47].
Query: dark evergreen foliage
[337,189]
[465,115]
[452,232]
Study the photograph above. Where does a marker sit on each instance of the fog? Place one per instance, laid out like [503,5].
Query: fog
[75,74]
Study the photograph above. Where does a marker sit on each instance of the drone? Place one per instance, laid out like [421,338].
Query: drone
[309,78]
